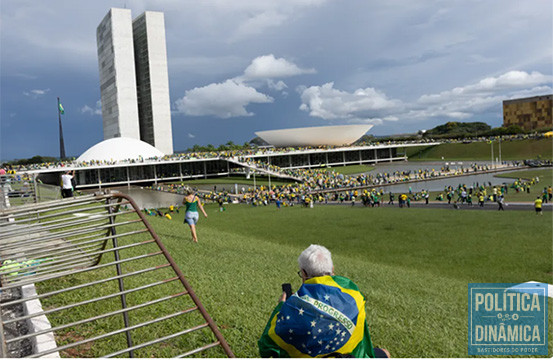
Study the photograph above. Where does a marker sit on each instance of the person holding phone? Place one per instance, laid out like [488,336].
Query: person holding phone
[191,216]
[325,318]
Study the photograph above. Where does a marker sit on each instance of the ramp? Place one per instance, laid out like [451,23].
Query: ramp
[262,169]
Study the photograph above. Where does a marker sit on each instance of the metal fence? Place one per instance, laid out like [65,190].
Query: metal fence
[17,190]
[105,284]
[46,192]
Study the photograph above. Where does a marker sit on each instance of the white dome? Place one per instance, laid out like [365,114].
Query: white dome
[314,136]
[118,149]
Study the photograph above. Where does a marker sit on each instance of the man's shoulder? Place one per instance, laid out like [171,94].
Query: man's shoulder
[334,281]
[345,282]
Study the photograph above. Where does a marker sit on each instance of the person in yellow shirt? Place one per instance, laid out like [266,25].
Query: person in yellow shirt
[537,205]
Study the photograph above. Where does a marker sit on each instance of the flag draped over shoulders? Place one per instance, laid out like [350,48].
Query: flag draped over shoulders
[325,316]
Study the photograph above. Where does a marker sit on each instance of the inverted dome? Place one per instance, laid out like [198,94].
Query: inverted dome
[118,149]
[314,136]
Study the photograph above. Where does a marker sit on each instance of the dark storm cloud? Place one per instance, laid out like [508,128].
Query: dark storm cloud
[400,64]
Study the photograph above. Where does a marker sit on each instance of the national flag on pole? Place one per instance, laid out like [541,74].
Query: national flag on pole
[325,316]
[62,111]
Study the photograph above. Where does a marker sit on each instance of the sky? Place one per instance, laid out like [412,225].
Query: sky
[236,67]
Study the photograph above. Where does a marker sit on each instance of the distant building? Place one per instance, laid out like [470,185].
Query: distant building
[134,81]
[337,135]
[152,79]
[529,113]
[117,75]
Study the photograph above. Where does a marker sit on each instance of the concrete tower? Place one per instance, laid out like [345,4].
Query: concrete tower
[150,55]
[117,75]
[134,81]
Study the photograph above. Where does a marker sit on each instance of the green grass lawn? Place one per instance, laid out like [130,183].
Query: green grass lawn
[413,266]
[351,169]
[237,179]
[546,179]
[510,150]
[545,175]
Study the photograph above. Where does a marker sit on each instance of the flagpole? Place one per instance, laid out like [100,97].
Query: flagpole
[62,145]
[500,150]
[491,143]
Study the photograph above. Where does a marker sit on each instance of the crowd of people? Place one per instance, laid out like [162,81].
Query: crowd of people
[327,185]
[244,152]
[290,195]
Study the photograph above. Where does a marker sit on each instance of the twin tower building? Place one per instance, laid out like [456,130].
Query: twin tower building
[134,81]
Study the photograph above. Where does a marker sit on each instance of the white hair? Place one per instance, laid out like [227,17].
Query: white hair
[316,260]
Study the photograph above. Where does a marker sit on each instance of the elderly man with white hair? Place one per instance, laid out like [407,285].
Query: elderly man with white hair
[324,318]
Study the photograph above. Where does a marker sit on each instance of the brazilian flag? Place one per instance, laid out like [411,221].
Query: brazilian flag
[62,110]
[325,316]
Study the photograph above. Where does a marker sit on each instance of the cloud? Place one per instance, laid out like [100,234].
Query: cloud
[96,111]
[258,23]
[269,67]
[329,103]
[509,81]
[278,86]
[191,136]
[464,102]
[460,103]
[223,100]
[374,121]
[36,93]
[230,98]
[24,76]
[536,91]
[256,17]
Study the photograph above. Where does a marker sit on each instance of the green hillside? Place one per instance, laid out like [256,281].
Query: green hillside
[510,150]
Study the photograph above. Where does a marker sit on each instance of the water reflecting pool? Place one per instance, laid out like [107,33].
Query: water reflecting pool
[440,184]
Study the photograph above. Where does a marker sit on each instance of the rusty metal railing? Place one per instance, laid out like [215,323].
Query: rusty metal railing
[17,189]
[105,283]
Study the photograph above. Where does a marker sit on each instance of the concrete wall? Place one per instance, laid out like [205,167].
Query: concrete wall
[35,324]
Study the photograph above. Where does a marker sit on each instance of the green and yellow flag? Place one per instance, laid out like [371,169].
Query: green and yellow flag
[62,111]
[325,317]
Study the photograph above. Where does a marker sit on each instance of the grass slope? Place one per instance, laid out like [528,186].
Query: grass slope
[546,179]
[351,169]
[412,265]
[510,150]
[237,179]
